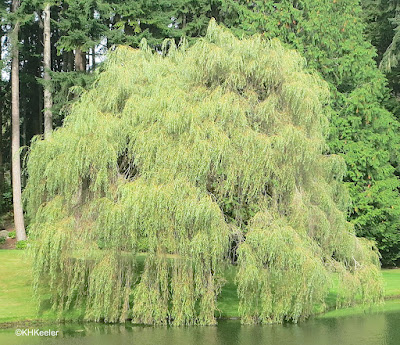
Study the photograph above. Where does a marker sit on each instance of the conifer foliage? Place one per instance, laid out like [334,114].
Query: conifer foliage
[184,152]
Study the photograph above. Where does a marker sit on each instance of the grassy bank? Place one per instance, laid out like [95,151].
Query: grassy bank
[17,304]
[391,278]
[16,296]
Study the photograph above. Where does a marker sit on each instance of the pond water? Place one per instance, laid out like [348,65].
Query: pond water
[368,329]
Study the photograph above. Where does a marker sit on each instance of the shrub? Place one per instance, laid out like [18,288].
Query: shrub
[21,245]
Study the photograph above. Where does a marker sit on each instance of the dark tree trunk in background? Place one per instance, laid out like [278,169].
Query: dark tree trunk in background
[93,58]
[40,110]
[70,61]
[80,60]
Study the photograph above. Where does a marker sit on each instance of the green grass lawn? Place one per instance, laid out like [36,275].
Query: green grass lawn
[16,295]
[391,278]
[15,285]
[16,298]
[17,303]
[228,301]
[388,305]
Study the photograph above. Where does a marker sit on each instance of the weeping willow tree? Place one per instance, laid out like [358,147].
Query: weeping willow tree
[202,154]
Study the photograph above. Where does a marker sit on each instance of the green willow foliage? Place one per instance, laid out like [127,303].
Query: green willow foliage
[157,150]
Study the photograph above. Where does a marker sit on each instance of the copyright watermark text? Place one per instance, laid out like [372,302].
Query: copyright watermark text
[31,332]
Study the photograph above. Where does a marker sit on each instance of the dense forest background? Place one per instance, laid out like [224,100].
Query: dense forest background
[354,45]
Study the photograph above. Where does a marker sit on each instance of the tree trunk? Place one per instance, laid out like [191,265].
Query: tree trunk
[64,61]
[1,155]
[80,60]
[1,131]
[48,100]
[94,58]
[15,136]
[128,30]
[40,111]
[184,21]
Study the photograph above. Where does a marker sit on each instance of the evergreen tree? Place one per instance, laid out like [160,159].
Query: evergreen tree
[378,16]
[391,56]
[382,18]
[80,28]
[31,73]
[134,20]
